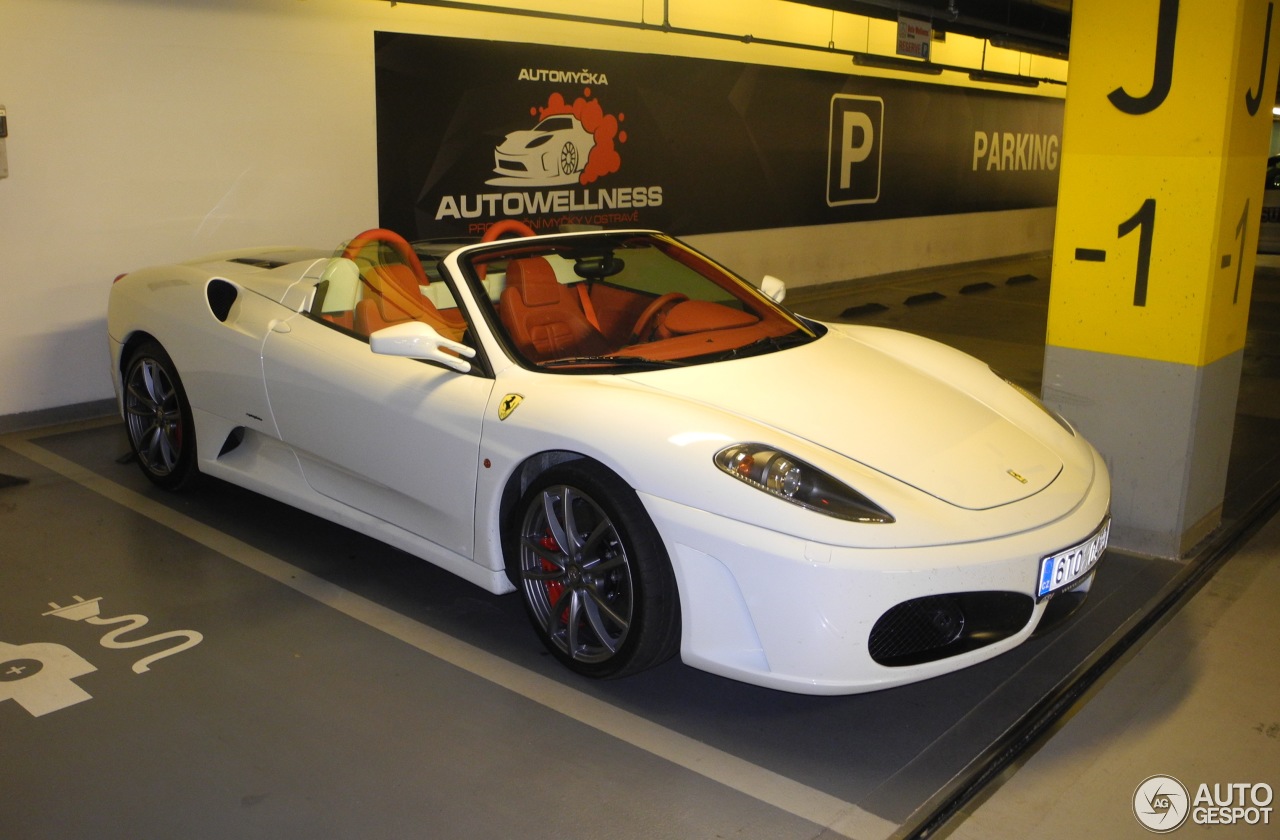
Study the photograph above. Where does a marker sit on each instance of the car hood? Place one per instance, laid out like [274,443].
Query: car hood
[854,399]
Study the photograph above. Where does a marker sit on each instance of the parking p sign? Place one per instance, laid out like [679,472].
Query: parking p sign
[855,142]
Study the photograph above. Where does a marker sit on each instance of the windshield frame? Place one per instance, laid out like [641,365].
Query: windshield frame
[772,328]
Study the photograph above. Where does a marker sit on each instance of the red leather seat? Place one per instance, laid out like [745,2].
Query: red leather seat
[543,316]
[394,296]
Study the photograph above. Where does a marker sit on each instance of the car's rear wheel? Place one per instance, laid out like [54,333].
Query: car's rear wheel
[158,417]
[594,575]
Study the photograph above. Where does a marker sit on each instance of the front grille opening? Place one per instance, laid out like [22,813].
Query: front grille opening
[937,626]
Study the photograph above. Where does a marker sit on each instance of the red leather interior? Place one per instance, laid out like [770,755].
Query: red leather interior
[395,297]
[694,316]
[543,316]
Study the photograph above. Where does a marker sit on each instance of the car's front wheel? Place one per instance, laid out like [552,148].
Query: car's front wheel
[158,417]
[594,575]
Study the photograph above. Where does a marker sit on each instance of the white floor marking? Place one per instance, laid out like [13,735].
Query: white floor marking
[833,813]
[88,612]
[39,676]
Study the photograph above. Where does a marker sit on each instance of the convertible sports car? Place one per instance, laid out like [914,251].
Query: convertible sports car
[653,452]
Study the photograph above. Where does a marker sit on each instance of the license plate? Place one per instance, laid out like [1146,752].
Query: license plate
[1060,570]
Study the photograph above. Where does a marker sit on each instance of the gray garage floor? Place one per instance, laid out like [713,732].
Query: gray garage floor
[239,669]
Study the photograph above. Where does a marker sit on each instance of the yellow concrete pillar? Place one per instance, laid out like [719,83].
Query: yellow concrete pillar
[1165,139]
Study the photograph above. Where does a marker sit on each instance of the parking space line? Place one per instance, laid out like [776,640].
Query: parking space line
[831,812]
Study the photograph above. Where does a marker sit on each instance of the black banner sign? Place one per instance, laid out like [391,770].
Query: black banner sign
[471,132]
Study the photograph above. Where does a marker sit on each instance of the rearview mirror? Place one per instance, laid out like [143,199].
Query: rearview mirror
[774,288]
[416,340]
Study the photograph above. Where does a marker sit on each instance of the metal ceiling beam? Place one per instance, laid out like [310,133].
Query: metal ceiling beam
[1042,26]
[857,56]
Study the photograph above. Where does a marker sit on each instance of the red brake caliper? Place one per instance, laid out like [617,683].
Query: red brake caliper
[555,588]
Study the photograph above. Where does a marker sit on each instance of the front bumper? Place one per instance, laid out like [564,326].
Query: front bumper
[786,613]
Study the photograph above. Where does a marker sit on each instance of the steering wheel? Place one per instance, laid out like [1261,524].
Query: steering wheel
[397,243]
[643,323]
[499,228]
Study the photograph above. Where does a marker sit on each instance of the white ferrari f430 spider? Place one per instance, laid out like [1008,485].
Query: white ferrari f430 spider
[654,453]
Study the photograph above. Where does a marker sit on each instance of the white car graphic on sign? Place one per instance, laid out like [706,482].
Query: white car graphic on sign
[552,153]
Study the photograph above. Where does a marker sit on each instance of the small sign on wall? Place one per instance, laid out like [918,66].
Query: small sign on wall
[914,37]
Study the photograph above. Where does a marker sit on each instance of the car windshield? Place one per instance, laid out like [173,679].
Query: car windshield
[622,302]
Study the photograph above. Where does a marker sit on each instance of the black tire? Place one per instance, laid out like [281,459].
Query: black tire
[609,606]
[158,418]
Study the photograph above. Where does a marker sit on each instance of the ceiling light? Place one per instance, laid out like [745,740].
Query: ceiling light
[887,62]
[1003,78]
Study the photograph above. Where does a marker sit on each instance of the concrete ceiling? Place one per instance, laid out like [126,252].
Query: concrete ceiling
[1042,26]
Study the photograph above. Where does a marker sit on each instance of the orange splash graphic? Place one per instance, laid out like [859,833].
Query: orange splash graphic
[604,158]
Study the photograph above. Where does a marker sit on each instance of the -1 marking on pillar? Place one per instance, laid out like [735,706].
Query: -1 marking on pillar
[1145,221]
[1162,73]
[1240,234]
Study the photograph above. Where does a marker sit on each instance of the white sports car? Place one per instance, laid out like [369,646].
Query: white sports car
[654,453]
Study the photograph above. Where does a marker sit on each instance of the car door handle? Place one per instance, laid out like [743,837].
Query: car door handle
[280,326]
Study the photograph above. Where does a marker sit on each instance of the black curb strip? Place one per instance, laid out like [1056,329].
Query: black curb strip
[1041,719]
[924,297]
[863,309]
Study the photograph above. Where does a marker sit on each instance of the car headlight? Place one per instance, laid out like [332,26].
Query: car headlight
[1058,418]
[795,481]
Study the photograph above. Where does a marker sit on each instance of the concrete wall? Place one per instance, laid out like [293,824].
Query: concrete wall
[146,131]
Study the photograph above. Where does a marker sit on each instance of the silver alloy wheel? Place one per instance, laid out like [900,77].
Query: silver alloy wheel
[576,574]
[153,413]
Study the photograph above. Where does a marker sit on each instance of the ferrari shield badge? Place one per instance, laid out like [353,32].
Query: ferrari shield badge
[509,404]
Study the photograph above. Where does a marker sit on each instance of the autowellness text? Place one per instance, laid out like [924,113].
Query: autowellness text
[516,204]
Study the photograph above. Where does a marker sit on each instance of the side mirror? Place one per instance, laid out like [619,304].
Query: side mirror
[773,288]
[416,340]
